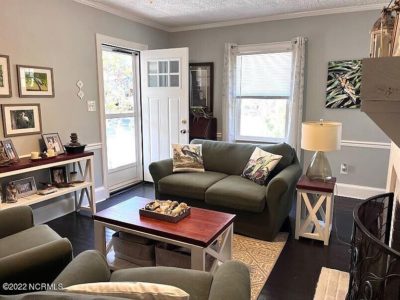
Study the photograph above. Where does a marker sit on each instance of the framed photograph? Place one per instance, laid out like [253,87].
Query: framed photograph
[344,84]
[21,119]
[9,150]
[53,141]
[201,85]
[59,175]
[25,187]
[5,77]
[35,82]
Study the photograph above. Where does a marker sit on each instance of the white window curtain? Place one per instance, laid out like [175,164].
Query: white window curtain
[229,93]
[297,94]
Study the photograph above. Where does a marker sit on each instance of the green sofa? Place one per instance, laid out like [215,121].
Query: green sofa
[28,253]
[230,281]
[260,210]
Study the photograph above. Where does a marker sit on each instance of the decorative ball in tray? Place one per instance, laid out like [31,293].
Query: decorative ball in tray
[170,211]
[74,146]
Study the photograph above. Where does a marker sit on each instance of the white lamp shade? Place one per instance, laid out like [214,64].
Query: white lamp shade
[321,136]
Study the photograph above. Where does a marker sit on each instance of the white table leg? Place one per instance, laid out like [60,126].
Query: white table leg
[328,219]
[198,258]
[100,237]
[298,215]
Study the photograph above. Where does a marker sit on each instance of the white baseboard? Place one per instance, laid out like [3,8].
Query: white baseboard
[357,191]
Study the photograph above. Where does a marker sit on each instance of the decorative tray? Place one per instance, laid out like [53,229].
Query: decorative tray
[169,211]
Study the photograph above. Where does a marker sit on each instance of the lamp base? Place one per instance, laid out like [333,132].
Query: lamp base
[319,168]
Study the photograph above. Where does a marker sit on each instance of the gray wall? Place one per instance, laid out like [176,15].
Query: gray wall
[331,37]
[61,34]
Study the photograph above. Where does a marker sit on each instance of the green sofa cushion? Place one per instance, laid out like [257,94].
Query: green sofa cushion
[238,193]
[27,239]
[231,158]
[192,185]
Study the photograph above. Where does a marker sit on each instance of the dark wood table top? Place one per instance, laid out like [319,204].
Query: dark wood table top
[200,228]
[26,162]
[305,183]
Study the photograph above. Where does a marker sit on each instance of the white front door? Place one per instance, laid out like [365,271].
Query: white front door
[165,103]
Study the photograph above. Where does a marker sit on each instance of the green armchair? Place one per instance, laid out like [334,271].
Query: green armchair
[28,253]
[230,281]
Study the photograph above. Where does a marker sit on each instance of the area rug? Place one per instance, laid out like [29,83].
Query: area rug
[332,285]
[259,256]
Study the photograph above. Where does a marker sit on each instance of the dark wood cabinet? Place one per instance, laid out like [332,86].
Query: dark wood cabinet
[202,128]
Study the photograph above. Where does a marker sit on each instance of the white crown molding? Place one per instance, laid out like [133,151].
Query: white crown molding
[321,12]
[357,191]
[122,13]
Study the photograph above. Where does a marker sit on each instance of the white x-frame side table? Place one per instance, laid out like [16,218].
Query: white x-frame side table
[314,211]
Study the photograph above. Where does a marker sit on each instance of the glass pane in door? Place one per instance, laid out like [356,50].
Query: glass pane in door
[119,98]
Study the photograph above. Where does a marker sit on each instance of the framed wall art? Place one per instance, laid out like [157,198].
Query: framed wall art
[35,82]
[21,119]
[201,85]
[53,141]
[9,149]
[5,77]
[344,83]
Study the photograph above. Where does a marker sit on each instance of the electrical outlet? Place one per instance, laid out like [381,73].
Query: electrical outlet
[91,105]
[344,169]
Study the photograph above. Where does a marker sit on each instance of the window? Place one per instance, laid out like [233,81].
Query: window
[163,73]
[263,88]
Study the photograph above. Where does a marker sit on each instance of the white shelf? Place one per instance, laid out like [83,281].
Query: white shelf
[39,198]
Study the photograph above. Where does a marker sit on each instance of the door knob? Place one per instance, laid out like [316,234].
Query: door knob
[183,131]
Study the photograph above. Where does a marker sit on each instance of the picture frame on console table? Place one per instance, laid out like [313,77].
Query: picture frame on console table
[53,141]
[58,175]
[21,119]
[35,82]
[5,77]
[10,150]
[25,187]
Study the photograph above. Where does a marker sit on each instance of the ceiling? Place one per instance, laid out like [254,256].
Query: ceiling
[175,15]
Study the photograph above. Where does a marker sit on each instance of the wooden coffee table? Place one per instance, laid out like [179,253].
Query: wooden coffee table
[196,232]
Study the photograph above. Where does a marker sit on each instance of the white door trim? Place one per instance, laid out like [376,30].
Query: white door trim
[100,40]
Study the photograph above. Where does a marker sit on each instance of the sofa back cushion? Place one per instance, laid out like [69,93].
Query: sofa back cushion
[231,158]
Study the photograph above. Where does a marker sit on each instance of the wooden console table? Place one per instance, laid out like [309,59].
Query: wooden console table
[26,165]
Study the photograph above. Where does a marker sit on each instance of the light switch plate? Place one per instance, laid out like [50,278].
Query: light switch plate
[91,105]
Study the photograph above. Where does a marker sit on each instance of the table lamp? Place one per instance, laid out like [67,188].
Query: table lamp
[320,136]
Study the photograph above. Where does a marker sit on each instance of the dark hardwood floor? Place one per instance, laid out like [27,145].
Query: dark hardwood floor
[296,272]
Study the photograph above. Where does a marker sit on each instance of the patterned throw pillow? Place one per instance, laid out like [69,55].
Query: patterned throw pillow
[260,165]
[187,158]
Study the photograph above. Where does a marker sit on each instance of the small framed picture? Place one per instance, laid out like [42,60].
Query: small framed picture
[53,141]
[59,175]
[25,187]
[5,77]
[9,149]
[35,82]
[21,119]
[201,84]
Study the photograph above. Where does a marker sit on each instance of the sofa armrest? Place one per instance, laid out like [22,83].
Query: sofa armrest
[196,283]
[39,264]
[280,191]
[231,281]
[159,170]
[89,266]
[15,219]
